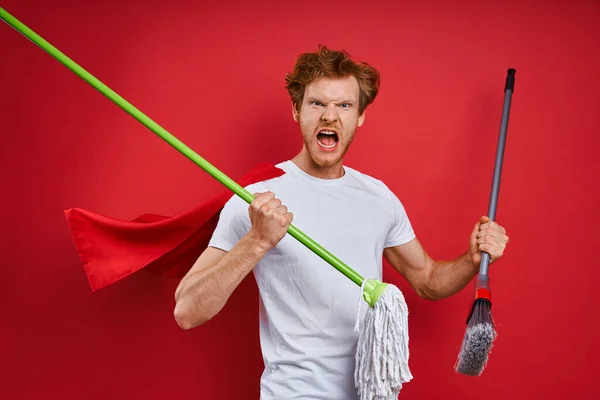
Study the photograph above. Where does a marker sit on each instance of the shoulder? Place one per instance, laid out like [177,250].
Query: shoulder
[372,184]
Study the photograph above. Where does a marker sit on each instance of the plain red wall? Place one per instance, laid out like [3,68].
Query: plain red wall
[213,75]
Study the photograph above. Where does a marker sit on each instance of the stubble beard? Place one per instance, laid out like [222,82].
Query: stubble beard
[312,150]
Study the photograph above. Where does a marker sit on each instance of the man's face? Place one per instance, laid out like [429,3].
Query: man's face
[328,118]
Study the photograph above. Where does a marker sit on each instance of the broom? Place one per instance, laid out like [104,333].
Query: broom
[481,330]
[382,351]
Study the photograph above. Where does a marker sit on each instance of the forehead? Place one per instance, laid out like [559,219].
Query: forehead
[333,89]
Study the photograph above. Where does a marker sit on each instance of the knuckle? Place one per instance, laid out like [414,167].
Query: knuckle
[265,210]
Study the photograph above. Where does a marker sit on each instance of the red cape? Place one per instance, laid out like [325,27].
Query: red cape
[112,249]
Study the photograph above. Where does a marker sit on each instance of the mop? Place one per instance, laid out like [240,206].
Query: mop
[382,351]
[481,330]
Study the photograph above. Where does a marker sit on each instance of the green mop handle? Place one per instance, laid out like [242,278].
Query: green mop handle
[173,141]
[509,87]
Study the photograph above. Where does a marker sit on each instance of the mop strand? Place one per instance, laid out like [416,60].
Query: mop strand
[360,301]
[382,352]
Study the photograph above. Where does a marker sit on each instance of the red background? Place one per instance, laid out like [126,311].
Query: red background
[212,74]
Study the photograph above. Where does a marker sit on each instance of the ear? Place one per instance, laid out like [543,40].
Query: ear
[361,119]
[295,113]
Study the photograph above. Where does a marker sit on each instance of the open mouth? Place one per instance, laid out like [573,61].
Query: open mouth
[327,140]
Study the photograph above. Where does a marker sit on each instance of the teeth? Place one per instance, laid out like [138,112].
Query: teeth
[327,133]
[331,146]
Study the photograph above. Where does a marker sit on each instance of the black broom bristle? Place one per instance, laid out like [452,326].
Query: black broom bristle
[478,340]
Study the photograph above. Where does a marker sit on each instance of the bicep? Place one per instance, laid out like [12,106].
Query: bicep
[411,261]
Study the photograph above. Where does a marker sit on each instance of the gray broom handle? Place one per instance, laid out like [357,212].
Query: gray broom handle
[508,91]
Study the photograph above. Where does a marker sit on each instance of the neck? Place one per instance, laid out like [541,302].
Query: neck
[308,165]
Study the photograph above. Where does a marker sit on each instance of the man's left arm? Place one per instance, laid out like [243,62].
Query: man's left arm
[435,280]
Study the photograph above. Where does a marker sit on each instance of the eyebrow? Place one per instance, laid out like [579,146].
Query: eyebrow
[312,98]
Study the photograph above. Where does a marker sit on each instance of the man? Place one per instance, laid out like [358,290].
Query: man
[307,308]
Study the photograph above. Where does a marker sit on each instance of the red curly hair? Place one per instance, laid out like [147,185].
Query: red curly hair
[310,67]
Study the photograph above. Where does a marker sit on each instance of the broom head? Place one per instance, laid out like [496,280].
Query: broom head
[480,334]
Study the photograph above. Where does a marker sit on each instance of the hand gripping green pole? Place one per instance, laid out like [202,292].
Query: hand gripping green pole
[372,289]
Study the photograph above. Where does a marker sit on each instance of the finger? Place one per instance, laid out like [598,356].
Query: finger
[281,210]
[494,226]
[494,244]
[473,239]
[489,232]
[488,248]
[260,199]
[288,217]
[475,233]
[264,194]
[500,228]
[271,205]
[496,239]
[491,228]
[493,251]
[492,236]
[285,219]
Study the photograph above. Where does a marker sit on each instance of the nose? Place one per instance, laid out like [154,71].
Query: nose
[329,114]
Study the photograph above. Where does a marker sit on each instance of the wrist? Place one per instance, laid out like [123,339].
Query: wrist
[471,259]
[257,243]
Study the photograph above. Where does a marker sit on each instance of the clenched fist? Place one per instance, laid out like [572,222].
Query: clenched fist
[270,219]
[487,236]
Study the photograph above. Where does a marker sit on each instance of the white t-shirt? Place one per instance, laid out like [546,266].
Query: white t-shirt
[307,307]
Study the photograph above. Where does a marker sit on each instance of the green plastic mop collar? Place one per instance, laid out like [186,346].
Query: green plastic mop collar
[373,290]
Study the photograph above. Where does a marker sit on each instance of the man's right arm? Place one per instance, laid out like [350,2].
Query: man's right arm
[205,289]
[211,281]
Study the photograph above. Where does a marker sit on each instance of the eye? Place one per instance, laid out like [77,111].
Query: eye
[345,105]
[316,103]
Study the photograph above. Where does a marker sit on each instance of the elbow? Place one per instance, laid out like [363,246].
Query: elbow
[185,319]
[428,293]
[428,287]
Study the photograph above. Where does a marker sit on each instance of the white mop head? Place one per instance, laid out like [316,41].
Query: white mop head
[382,352]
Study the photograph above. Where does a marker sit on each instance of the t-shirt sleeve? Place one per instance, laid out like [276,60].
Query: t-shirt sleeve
[233,224]
[401,230]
